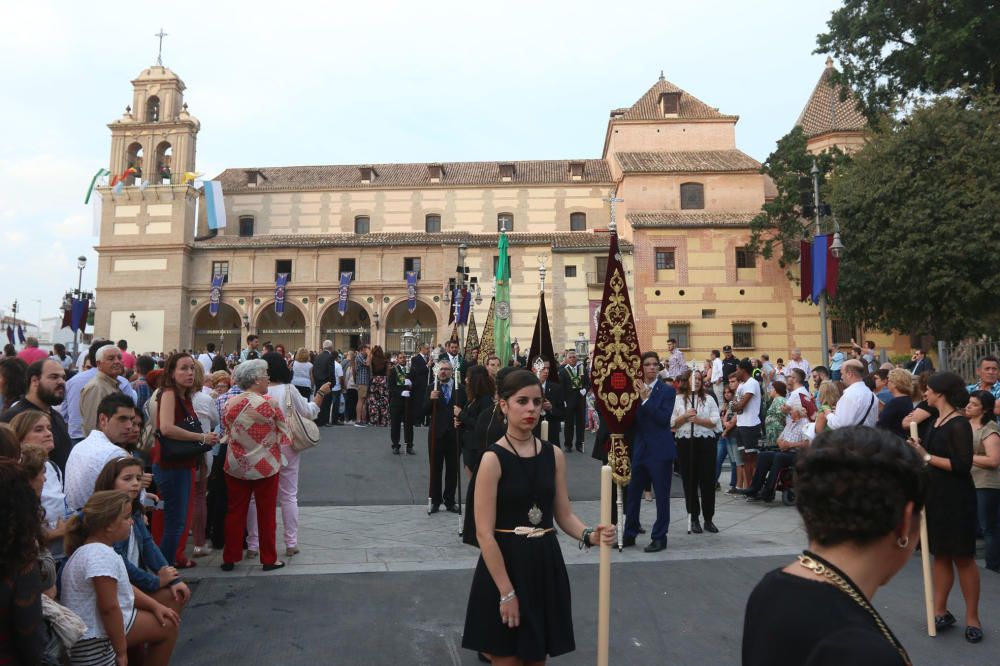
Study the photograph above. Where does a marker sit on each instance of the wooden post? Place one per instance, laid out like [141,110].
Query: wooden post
[925,560]
[604,575]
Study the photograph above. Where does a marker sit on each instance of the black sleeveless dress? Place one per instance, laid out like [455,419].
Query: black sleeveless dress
[535,567]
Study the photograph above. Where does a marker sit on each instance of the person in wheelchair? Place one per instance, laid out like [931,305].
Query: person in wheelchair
[782,446]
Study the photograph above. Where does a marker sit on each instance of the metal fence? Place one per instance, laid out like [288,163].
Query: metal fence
[963,357]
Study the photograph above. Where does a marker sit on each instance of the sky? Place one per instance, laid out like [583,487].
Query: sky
[347,83]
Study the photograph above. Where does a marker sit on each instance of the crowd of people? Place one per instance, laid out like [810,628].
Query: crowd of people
[113,462]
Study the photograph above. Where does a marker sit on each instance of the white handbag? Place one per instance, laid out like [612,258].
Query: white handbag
[305,433]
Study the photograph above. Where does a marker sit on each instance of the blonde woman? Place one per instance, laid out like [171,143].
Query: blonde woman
[302,371]
[828,397]
[33,428]
[900,385]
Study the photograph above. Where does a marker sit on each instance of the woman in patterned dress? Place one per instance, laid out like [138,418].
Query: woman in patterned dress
[378,392]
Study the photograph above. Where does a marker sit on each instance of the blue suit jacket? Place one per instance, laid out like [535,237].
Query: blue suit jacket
[652,439]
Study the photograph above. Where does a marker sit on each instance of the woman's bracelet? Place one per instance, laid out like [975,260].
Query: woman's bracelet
[585,538]
[507,597]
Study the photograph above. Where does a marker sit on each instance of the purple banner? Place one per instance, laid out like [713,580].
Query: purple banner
[279,293]
[463,316]
[411,291]
[345,285]
[215,296]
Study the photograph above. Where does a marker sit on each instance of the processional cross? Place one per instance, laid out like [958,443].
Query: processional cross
[159,55]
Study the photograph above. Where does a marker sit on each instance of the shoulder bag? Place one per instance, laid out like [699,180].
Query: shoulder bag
[181,450]
[305,433]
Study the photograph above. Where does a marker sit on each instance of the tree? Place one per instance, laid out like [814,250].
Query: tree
[890,50]
[919,209]
[776,231]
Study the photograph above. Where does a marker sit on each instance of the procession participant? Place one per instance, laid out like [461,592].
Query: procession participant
[573,379]
[420,379]
[553,406]
[519,607]
[442,449]
[653,454]
[479,393]
[859,493]
[46,389]
[951,502]
[451,355]
[695,421]
[400,399]
[493,365]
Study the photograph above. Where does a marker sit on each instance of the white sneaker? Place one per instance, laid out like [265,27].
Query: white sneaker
[360,425]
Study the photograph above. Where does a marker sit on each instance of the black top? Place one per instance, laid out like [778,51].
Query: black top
[925,426]
[951,495]
[793,621]
[22,631]
[893,413]
[60,433]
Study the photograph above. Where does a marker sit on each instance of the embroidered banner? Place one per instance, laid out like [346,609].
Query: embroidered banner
[345,285]
[279,293]
[411,291]
[215,296]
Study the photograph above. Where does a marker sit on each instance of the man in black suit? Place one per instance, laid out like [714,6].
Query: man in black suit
[322,371]
[554,407]
[419,377]
[442,443]
[574,383]
[919,363]
[400,397]
[451,355]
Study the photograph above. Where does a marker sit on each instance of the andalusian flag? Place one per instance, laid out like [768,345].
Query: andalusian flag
[501,320]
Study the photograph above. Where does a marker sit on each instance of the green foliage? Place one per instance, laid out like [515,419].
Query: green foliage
[891,50]
[777,230]
[900,359]
[919,210]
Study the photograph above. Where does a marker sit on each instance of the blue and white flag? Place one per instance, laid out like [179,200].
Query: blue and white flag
[215,297]
[345,285]
[279,293]
[411,291]
[215,207]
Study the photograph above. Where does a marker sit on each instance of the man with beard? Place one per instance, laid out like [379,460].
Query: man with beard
[46,389]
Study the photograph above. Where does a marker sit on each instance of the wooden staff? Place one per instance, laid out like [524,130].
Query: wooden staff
[458,454]
[925,557]
[604,573]
[430,482]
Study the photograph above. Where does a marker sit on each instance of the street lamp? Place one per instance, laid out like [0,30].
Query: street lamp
[375,318]
[246,321]
[406,344]
[81,263]
[582,345]
[131,320]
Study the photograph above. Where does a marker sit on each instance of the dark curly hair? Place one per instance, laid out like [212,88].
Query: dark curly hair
[852,485]
[14,373]
[20,519]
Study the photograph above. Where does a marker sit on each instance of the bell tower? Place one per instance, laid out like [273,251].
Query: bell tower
[156,135]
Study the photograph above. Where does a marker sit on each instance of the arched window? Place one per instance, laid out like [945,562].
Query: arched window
[164,173]
[505,222]
[246,225]
[432,224]
[153,109]
[133,160]
[362,224]
[578,222]
[692,196]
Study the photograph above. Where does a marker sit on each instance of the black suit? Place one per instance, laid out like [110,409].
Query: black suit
[554,394]
[923,365]
[399,407]
[420,377]
[572,382]
[460,366]
[602,442]
[442,447]
[322,369]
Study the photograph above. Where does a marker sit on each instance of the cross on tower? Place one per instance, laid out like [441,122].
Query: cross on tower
[612,199]
[159,55]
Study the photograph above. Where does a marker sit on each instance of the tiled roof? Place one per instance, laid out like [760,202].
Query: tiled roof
[348,176]
[825,112]
[688,161]
[559,242]
[648,106]
[688,220]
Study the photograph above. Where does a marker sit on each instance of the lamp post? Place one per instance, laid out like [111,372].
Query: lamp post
[824,341]
[81,263]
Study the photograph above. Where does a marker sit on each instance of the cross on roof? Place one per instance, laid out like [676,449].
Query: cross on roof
[159,55]
[612,199]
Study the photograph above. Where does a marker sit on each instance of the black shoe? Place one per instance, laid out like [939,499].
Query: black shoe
[696,526]
[655,546]
[754,498]
[944,621]
[710,527]
[435,508]
[227,566]
[569,449]
[395,450]
[453,509]
[628,542]
[641,530]
[410,451]
[973,634]
[579,448]
[273,567]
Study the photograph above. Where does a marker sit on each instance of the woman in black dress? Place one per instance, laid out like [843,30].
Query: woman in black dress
[479,393]
[951,501]
[859,491]
[519,606]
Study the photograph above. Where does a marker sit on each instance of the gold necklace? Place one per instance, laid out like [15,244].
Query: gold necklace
[820,567]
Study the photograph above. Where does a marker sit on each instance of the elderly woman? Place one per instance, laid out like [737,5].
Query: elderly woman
[256,435]
[951,501]
[860,491]
[986,471]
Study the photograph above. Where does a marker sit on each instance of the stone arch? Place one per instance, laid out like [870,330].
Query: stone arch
[348,331]
[288,330]
[225,330]
[398,320]
[153,109]
[133,160]
[164,164]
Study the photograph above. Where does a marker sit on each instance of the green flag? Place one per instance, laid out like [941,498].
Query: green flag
[501,320]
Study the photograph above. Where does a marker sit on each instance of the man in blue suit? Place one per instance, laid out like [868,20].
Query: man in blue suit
[653,453]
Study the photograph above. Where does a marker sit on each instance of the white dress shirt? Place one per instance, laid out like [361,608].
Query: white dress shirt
[716,370]
[851,407]
[86,460]
[705,409]
[801,364]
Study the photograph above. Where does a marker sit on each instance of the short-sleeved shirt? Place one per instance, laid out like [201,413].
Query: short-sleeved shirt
[85,463]
[89,561]
[362,372]
[750,416]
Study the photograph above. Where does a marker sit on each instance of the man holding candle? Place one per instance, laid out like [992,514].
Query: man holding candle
[442,441]
[553,408]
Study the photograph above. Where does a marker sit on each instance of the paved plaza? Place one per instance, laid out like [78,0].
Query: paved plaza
[379,581]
